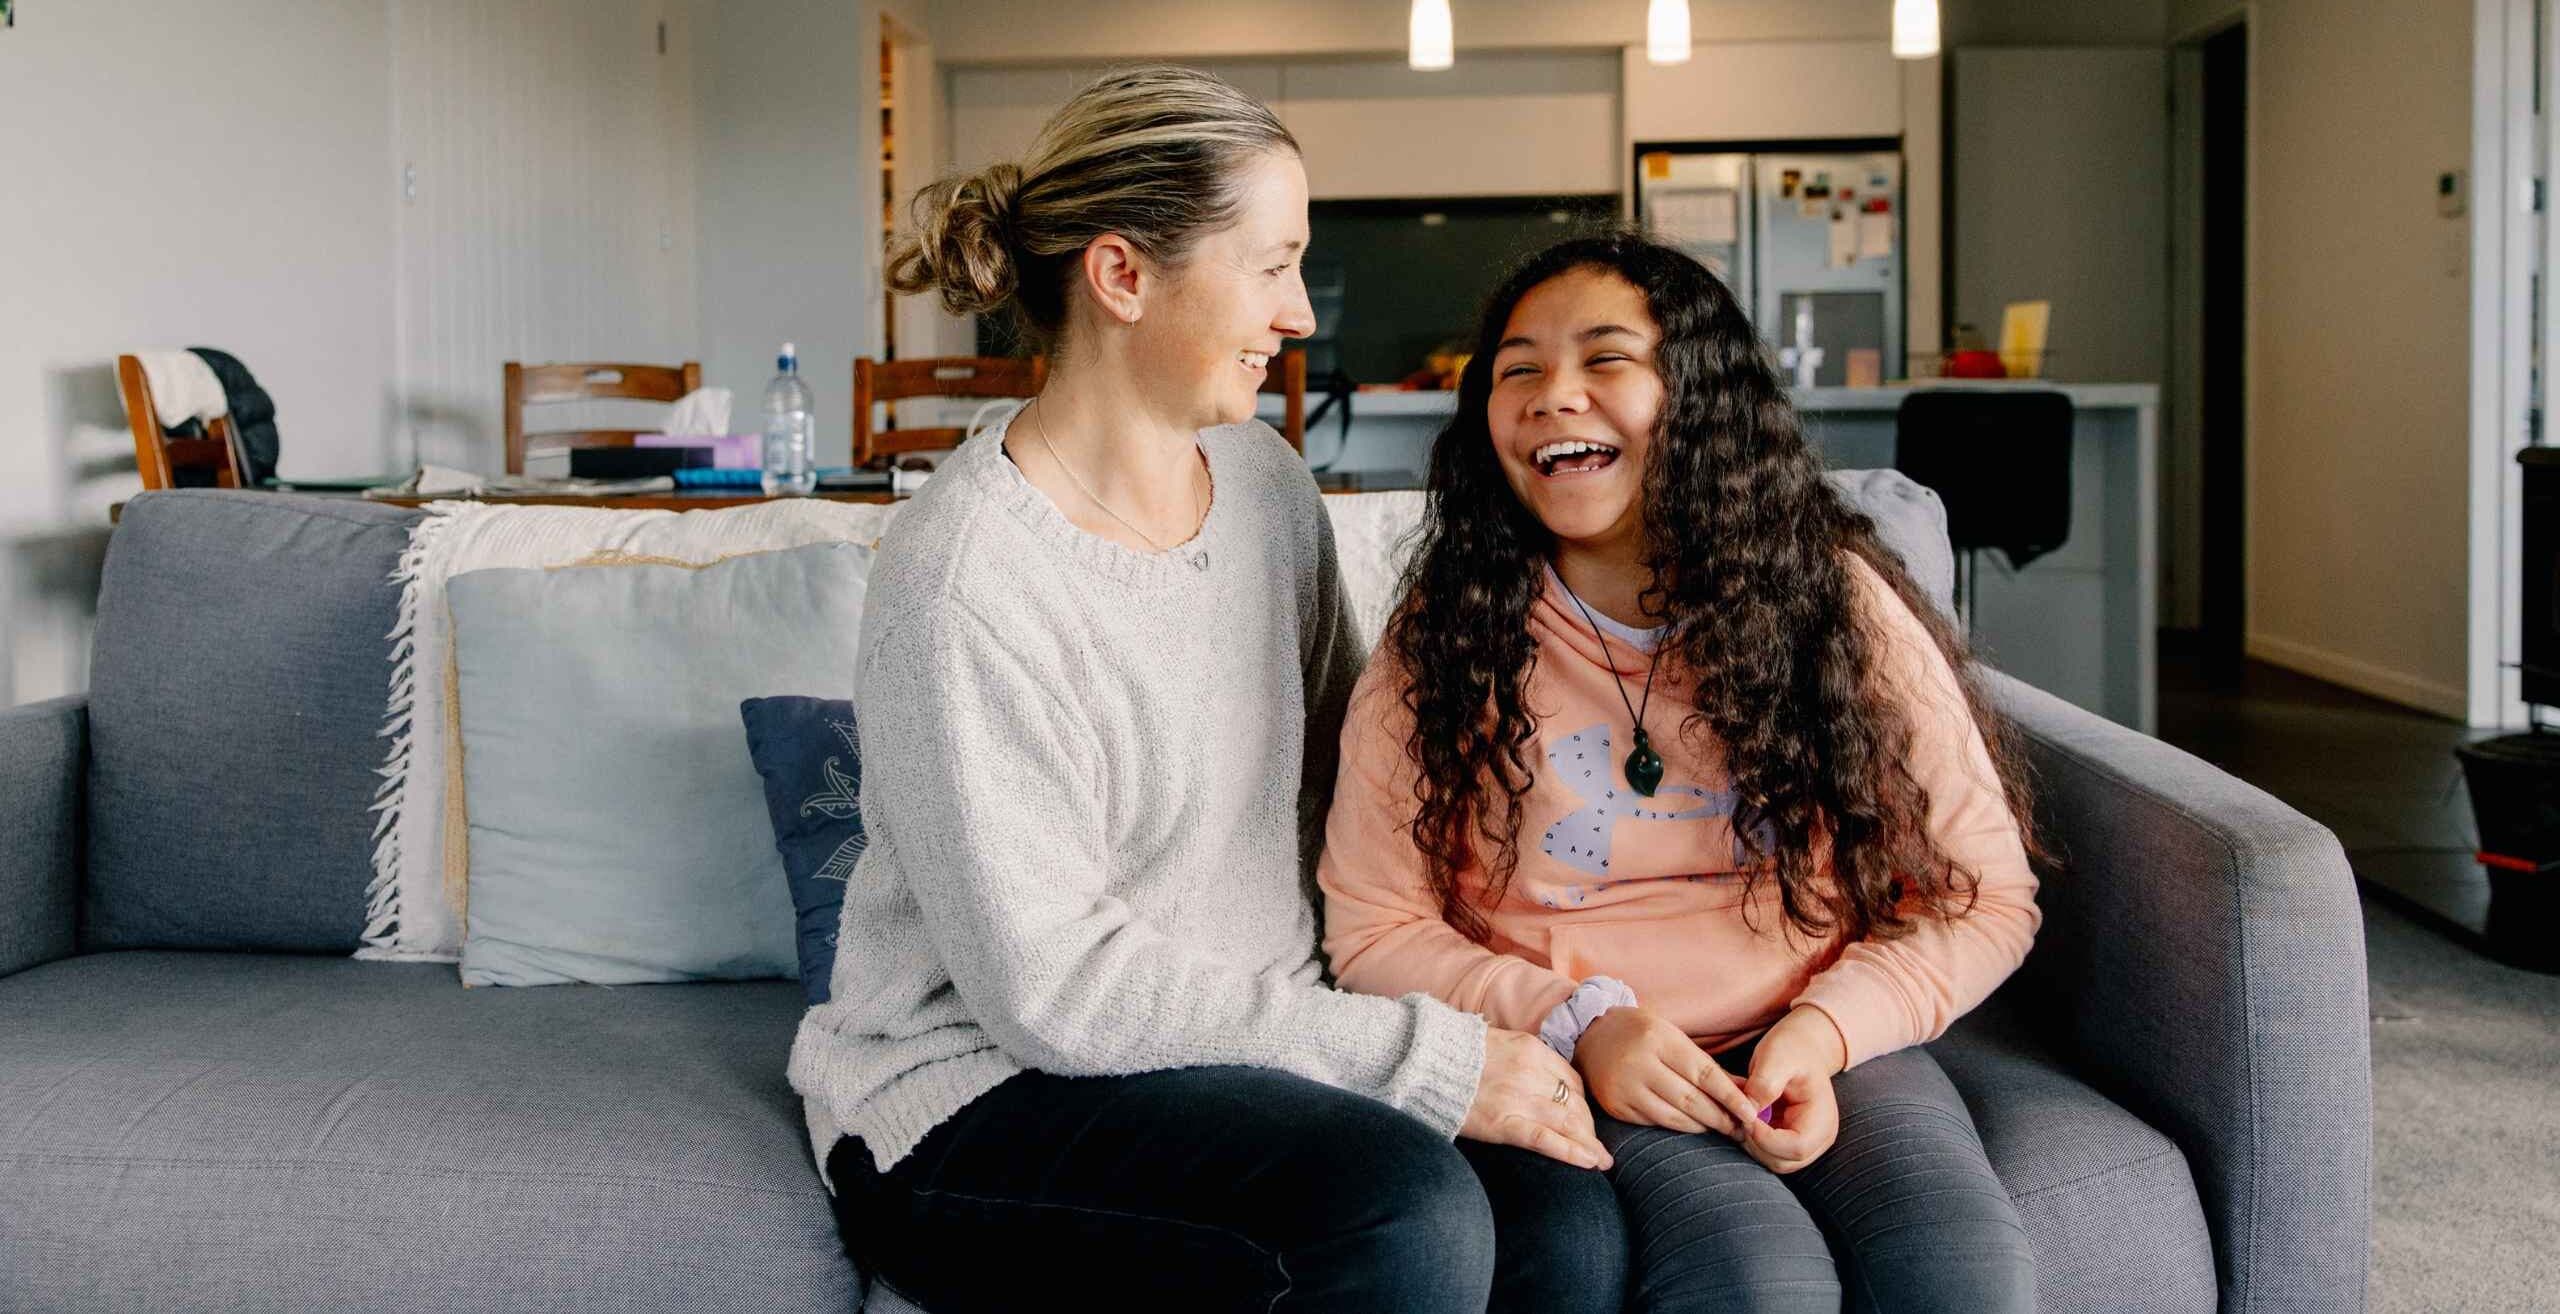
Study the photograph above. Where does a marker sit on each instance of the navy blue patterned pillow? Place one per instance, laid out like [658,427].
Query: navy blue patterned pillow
[812,767]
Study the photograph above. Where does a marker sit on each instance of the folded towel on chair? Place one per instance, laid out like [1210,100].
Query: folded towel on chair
[183,387]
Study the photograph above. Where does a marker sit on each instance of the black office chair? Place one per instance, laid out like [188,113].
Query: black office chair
[2001,461]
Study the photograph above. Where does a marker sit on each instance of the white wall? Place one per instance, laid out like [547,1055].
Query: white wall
[1507,123]
[1761,89]
[1011,31]
[923,143]
[547,208]
[2189,19]
[178,174]
[2052,22]
[2358,388]
[190,174]
[233,176]
[789,199]
[1497,125]
[2059,194]
[584,197]
[553,217]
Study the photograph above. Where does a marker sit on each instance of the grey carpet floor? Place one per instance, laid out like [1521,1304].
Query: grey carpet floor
[2466,1114]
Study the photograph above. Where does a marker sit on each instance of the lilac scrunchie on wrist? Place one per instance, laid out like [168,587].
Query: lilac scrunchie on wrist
[1565,1023]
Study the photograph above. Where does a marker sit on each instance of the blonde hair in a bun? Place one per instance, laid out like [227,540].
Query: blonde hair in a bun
[961,243]
[1153,154]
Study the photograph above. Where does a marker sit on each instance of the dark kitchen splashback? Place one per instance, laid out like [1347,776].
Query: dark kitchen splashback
[1412,282]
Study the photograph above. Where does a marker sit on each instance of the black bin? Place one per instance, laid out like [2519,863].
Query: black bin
[2515,796]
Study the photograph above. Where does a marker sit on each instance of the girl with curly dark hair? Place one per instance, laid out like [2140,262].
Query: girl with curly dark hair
[1665,758]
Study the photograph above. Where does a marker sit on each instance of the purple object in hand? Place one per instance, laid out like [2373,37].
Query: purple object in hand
[1769,1115]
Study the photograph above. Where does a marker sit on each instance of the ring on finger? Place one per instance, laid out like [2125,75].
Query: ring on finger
[1558,1097]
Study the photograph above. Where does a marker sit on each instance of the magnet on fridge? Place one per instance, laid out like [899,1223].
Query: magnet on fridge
[1788,181]
[1657,164]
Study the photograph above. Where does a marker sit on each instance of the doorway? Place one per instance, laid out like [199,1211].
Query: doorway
[2222,441]
[2204,457]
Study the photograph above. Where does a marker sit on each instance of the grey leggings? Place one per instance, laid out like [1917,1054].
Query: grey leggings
[1902,1213]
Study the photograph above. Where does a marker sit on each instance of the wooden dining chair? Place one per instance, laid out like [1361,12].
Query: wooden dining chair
[879,381]
[159,454]
[535,385]
[1288,377]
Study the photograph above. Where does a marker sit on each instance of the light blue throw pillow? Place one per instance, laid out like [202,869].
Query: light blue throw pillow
[617,835]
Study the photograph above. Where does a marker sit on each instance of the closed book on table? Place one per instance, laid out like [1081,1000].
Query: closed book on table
[635,462]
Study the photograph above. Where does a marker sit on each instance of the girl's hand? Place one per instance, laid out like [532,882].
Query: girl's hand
[1516,1102]
[1793,1069]
[1641,1069]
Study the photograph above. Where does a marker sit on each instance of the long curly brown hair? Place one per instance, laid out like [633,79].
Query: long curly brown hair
[1746,542]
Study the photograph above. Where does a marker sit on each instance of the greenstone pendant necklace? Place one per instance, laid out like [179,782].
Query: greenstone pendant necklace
[1644,766]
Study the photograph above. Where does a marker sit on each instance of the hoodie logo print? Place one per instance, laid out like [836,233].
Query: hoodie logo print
[1587,764]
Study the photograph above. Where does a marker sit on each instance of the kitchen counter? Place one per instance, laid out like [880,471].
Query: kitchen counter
[1440,404]
[2080,623]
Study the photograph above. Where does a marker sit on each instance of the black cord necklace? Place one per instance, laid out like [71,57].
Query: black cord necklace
[1644,766]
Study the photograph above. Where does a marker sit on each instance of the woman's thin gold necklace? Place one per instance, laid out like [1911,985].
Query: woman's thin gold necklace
[1042,423]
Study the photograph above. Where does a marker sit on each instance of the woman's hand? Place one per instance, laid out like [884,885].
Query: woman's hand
[1641,1069]
[1793,1069]
[1516,1102]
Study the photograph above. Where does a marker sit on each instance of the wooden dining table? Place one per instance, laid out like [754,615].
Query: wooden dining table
[714,499]
[682,499]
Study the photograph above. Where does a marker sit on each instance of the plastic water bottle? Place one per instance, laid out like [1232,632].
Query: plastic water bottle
[790,431]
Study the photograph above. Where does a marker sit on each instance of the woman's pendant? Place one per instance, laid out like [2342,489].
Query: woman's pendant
[1644,766]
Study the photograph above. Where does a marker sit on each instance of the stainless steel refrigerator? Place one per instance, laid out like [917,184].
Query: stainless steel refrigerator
[1809,240]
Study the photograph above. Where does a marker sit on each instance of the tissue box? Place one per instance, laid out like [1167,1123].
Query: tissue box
[734,451]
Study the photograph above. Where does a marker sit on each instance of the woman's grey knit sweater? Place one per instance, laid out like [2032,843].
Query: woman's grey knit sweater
[1093,780]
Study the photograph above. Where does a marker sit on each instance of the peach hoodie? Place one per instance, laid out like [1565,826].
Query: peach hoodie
[1649,890]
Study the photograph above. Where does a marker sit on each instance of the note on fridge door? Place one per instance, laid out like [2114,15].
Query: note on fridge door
[1875,235]
[1844,238]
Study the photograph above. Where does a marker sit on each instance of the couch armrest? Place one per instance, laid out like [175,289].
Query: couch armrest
[44,750]
[2202,961]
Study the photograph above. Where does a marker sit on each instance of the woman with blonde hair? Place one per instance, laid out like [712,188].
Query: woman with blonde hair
[1078,1036]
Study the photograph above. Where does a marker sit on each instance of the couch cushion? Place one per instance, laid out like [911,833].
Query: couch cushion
[242,662]
[2110,1209]
[617,825]
[1912,521]
[220,1131]
[810,755]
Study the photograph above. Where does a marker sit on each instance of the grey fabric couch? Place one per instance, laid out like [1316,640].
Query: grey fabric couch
[205,1104]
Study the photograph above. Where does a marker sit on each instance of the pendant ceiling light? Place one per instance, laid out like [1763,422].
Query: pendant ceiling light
[1915,29]
[1431,43]
[1666,32]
